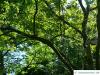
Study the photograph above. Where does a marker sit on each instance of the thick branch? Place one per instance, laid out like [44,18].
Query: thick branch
[45,41]
[80,2]
[86,43]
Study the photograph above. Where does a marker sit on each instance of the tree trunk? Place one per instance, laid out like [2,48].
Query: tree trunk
[98,42]
[1,63]
[86,43]
[88,63]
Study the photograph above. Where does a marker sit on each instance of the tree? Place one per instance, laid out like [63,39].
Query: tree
[98,42]
[60,25]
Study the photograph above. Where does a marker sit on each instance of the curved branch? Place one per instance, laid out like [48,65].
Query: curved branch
[45,41]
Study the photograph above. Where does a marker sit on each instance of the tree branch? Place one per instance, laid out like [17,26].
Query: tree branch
[91,9]
[86,43]
[6,53]
[82,7]
[34,25]
[62,19]
[45,41]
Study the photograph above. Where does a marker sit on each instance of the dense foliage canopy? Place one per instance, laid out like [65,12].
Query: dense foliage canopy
[49,37]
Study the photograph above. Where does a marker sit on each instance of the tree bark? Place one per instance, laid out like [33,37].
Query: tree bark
[2,72]
[98,42]
[88,63]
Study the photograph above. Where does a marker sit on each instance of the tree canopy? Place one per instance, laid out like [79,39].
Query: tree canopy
[51,37]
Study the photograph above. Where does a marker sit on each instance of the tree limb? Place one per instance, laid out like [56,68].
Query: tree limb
[86,43]
[45,41]
[83,8]
[34,25]
[62,19]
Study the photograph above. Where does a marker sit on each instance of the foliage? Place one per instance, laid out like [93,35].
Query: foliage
[55,36]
